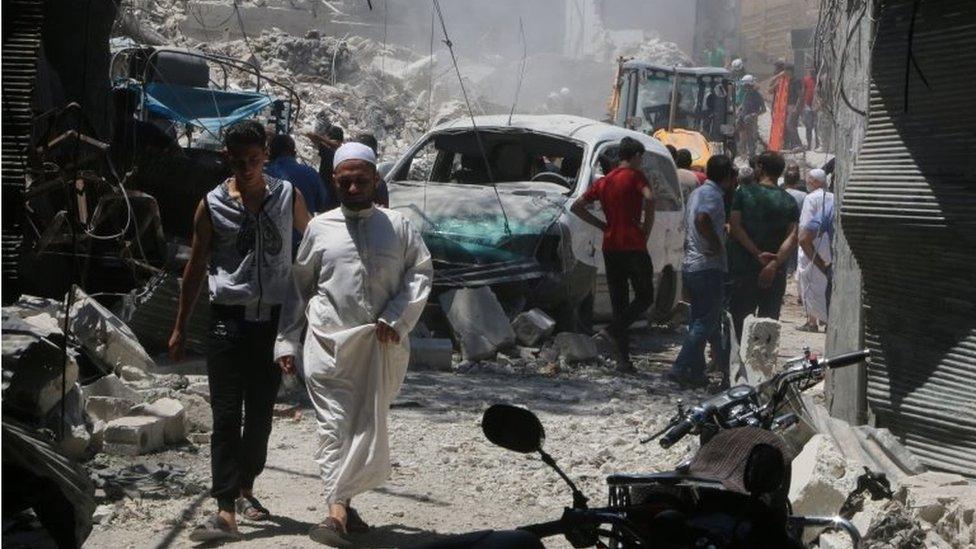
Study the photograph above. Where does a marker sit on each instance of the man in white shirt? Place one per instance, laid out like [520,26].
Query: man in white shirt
[361,279]
[814,254]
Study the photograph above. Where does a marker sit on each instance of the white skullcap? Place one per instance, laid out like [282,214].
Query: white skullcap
[353,151]
[818,174]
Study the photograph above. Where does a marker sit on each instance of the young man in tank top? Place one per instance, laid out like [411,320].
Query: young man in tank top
[242,234]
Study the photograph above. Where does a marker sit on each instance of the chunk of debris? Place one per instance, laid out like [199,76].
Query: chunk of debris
[821,480]
[533,326]
[33,364]
[171,412]
[74,436]
[134,374]
[200,438]
[134,435]
[576,347]
[760,350]
[103,514]
[478,322]
[431,354]
[107,338]
[199,388]
[111,386]
[284,410]
[199,416]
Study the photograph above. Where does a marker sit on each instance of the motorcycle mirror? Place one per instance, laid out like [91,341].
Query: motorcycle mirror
[513,428]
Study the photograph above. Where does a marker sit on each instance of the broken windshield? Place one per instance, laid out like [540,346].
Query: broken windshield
[654,101]
[504,155]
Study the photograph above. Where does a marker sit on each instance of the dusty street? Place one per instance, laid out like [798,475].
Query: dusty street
[447,477]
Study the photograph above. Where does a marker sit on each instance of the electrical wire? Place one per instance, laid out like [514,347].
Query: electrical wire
[474,125]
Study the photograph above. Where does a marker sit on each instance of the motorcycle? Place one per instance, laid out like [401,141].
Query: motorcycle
[730,494]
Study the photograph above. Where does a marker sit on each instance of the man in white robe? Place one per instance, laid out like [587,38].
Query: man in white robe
[814,254]
[361,280]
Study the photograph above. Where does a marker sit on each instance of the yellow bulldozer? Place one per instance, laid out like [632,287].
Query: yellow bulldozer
[689,107]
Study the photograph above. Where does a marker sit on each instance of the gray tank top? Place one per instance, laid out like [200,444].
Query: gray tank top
[250,256]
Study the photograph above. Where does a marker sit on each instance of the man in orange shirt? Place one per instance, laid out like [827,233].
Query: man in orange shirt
[624,195]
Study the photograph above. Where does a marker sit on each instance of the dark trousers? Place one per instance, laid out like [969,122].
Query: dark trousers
[244,382]
[705,289]
[625,270]
[748,298]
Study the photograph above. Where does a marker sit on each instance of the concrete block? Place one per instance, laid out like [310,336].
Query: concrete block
[821,480]
[107,408]
[199,416]
[33,365]
[171,412]
[103,514]
[98,436]
[478,322]
[431,354]
[112,386]
[134,435]
[576,347]
[533,326]
[106,336]
[759,352]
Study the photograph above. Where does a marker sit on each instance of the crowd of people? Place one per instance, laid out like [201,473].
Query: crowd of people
[746,234]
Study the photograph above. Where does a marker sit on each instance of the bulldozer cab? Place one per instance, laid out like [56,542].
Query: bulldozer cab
[660,100]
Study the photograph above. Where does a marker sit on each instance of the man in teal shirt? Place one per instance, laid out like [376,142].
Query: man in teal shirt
[763,226]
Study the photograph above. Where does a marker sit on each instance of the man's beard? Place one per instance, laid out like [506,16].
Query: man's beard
[357,203]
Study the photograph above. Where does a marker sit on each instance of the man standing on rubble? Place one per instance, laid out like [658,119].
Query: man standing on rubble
[360,282]
[624,194]
[763,229]
[703,272]
[242,234]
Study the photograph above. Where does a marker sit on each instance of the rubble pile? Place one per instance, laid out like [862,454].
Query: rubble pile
[657,51]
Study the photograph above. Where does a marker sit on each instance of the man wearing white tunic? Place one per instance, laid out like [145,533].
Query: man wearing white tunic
[814,255]
[361,279]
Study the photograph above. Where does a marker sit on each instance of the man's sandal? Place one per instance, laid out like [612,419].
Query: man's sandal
[355,523]
[250,508]
[215,529]
[329,532]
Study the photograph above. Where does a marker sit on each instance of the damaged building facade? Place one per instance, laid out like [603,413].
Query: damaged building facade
[900,75]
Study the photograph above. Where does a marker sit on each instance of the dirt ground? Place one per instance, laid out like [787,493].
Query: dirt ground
[446,477]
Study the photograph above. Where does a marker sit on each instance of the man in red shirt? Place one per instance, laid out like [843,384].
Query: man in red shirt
[624,195]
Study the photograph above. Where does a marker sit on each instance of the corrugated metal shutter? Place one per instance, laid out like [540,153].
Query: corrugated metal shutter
[21,39]
[909,213]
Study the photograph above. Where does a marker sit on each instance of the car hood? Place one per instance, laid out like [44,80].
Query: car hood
[465,224]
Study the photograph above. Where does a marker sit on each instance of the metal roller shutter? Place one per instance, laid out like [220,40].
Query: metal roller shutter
[909,213]
[21,38]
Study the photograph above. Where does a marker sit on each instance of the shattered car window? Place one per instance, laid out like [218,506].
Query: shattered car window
[508,155]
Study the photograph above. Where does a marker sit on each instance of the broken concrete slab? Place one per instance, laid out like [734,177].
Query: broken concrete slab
[532,326]
[821,480]
[106,336]
[98,436]
[107,408]
[173,415]
[199,416]
[431,354]
[34,367]
[576,347]
[111,386]
[134,374]
[478,322]
[134,435]
[74,433]
[759,352]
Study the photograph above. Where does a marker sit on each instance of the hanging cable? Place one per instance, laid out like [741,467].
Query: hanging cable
[430,72]
[518,85]
[474,125]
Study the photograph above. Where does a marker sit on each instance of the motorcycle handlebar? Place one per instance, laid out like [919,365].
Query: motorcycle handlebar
[846,359]
[675,433]
[545,529]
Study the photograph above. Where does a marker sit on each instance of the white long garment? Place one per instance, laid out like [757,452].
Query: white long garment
[811,280]
[354,269]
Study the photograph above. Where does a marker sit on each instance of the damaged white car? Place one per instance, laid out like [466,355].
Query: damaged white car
[492,204]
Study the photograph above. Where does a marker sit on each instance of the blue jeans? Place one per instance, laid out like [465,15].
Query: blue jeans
[705,289]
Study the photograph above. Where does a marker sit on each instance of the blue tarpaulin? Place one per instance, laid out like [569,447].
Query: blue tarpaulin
[202,107]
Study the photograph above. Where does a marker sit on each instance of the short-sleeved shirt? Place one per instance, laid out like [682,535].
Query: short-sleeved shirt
[797,195]
[619,193]
[767,213]
[303,177]
[817,216]
[707,199]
